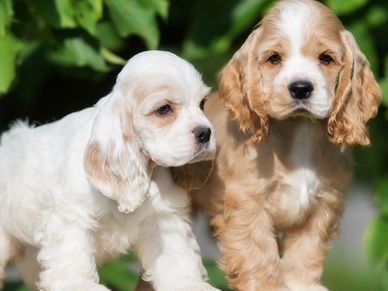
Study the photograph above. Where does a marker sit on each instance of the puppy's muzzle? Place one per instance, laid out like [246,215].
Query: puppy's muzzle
[202,134]
[300,90]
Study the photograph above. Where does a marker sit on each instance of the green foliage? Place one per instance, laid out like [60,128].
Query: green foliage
[93,35]
[72,34]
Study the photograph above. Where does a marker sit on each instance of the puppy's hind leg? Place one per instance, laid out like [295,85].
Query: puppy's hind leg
[6,252]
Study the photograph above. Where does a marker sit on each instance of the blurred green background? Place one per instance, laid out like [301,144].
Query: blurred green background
[58,56]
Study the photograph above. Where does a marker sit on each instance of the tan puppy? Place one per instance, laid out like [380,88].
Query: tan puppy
[291,101]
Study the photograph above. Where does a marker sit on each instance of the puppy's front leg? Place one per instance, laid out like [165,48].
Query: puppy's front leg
[248,245]
[170,254]
[67,257]
[305,248]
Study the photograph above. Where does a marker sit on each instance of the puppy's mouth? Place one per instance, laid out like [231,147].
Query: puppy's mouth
[203,154]
[303,109]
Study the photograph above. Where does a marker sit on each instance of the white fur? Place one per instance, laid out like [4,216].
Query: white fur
[51,204]
[303,179]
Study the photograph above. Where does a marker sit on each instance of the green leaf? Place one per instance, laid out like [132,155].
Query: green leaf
[111,57]
[377,240]
[160,6]
[76,51]
[87,13]
[108,36]
[341,7]
[213,34]
[57,13]
[6,14]
[382,197]
[384,83]
[216,276]
[9,48]
[364,39]
[116,274]
[384,87]
[377,15]
[129,17]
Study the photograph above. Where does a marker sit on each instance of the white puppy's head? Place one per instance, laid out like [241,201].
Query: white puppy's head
[166,95]
[154,113]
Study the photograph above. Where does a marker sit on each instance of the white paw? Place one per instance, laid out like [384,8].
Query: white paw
[296,286]
[84,286]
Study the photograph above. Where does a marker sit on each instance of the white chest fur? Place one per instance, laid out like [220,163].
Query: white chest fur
[302,178]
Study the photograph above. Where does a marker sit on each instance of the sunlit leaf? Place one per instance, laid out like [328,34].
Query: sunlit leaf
[78,52]
[345,6]
[87,13]
[130,17]
[6,14]
[111,57]
[9,48]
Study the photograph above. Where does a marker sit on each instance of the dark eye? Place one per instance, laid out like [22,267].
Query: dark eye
[325,59]
[274,59]
[202,104]
[163,110]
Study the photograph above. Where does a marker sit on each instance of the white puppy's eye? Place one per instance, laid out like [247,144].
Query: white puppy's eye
[325,59]
[164,110]
[202,104]
[274,59]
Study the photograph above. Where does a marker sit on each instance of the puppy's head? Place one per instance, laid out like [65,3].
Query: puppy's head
[154,114]
[301,61]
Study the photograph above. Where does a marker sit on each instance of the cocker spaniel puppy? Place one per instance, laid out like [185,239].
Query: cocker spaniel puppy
[291,102]
[90,186]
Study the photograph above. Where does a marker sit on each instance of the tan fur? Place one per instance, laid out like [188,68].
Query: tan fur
[269,239]
[357,99]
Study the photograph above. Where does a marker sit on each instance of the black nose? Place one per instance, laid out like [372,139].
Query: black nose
[300,89]
[202,134]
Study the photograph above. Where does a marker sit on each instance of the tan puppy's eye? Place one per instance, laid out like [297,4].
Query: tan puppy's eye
[164,110]
[202,104]
[274,59]
[325,59]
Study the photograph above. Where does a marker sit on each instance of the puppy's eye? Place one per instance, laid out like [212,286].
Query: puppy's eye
[202,104]
[163,110]
[274,59]
[325,59]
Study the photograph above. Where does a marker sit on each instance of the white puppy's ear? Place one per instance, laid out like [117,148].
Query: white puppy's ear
[112,161]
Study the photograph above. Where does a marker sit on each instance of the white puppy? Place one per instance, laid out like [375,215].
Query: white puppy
[94,184]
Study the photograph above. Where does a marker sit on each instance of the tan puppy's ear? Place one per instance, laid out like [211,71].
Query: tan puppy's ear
[192,176]
[357,97]
[112,161]
[240,89]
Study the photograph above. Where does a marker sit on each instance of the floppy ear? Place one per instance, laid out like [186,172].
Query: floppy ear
[240,89]
[112,160]
[192,176]
[357,97]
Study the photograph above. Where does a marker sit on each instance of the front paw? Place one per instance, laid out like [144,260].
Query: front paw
[130,205]
[198,287]
[296,286]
